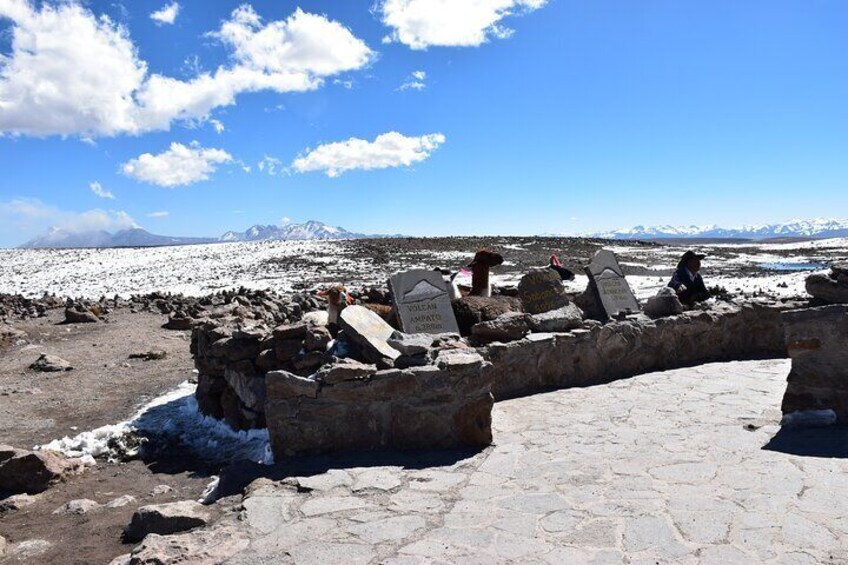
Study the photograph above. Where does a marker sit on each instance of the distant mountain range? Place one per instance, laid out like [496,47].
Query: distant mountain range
[134,237]
[308,230]
[812,229]
[137,237]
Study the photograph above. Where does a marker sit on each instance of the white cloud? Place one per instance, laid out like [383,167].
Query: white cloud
[70,72]
[218,125]
[285,220]
[98,189]
[160,214]
[387,150]
[179,165]
[415,81]
[270,165]
[29,216]
[167,14]
[420,24]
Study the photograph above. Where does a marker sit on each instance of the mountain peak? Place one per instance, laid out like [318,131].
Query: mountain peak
[819,228]
[312,229]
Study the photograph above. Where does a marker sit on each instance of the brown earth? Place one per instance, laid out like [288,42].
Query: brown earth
[105,387]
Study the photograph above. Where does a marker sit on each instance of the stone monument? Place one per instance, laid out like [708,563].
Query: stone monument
[606,277]
[422,301]
[542,291]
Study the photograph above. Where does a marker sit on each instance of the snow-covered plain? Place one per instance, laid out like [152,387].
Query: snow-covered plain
[284,266]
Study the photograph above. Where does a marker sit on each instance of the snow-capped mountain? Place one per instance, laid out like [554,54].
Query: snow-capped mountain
[308,230]
[134,237]
[814,229]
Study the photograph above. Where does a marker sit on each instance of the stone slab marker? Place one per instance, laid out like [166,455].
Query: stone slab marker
[422,302]
[607,278]
[370,332]
[542,291]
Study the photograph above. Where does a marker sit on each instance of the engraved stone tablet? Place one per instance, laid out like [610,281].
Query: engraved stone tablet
[608,279]
[422,302]
[542,291]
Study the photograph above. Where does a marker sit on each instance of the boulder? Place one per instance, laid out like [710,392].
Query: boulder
[344,370]
[665,303]
[165,519]
[508,327]
[285,385]
[75,316]
[32,472]
[203,547]
[16,502]
[827,288]
[541,291]
[50,364]
[317,338]
[180,322]
[370,332]
[411,344]
[563,319]
[291,331]
[77,507]
[471,310]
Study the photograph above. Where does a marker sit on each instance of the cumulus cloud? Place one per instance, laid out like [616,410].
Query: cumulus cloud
[159,214]
[415,81]
[387,150]
[420,24]
[70,72]
[29,215]
[179,165]
[166,15]
[98,189]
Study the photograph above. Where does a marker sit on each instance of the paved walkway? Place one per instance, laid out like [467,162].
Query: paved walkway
[666,467]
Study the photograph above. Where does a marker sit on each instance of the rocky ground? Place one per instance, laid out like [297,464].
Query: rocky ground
[410,508]
[104,387]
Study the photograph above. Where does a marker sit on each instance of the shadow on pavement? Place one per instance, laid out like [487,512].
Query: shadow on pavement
[237,476]
[831,441]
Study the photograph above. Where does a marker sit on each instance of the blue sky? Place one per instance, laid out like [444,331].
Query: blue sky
[555,117]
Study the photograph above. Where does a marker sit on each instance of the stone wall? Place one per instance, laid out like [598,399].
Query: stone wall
[312,402]
[817,341]
[446,404]
[616,350]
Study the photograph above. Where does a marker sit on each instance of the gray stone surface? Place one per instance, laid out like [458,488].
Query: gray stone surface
[78,507]
[817,340]
[50,364]
[422,302]
[664,467]
[542,291]
[607,277]
[563,319]
[508,327]
[370,332]
[32,472]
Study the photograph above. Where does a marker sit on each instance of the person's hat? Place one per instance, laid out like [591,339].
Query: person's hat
[689,255]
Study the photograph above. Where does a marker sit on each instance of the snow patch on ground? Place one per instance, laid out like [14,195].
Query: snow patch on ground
[172,418]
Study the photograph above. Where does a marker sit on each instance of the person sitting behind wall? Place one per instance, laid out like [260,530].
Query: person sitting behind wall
[687,280]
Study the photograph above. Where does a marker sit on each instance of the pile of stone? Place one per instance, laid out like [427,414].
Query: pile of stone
[831,288]
[16,307]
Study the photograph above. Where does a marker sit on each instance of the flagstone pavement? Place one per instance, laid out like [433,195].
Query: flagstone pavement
[667,467]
